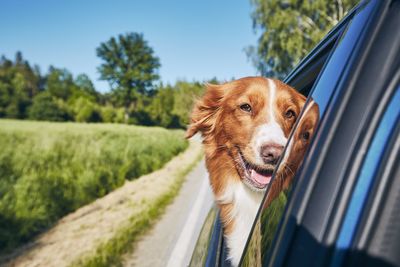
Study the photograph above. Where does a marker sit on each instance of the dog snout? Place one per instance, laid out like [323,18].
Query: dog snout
[270,153]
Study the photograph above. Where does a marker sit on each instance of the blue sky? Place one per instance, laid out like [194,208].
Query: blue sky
[195,40]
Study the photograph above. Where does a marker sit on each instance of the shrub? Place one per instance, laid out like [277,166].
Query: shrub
[44,107]
[119,115]
[85,110]
[108,113]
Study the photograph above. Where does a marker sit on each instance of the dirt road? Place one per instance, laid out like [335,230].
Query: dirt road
[171,241]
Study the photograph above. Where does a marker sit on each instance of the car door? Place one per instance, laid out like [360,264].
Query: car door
[323,218]
[210,250]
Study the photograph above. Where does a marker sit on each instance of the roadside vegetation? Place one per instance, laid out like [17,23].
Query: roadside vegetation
[110,252]
[102,232]
[50,169]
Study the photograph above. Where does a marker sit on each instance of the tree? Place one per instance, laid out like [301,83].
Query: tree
[82,87]
[20,101]
[83,82]
[290,29]
[161,106]
[18,84]
[184,97]
[129,66]
[59,83]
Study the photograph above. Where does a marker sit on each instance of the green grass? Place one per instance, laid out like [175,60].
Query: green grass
[110,253]
[50,169]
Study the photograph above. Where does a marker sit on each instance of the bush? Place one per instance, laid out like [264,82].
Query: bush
[44,107]
[108,113]
[86,111]
[50,169]
[119,115]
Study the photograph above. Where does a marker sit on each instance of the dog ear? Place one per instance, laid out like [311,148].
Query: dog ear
[204,114]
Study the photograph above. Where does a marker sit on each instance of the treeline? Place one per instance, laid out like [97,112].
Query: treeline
[27,93]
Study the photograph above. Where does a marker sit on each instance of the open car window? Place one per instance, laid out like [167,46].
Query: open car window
[323,84]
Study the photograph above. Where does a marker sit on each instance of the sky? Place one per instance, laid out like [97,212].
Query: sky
[195,40]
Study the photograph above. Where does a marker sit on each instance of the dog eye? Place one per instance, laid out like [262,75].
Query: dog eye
[305,136]
[290,114]
[245,107]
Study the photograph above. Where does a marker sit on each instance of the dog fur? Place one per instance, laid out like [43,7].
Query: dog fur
[245,125]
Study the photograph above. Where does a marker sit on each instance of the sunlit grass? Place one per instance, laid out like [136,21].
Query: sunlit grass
[110,252]
[50,169]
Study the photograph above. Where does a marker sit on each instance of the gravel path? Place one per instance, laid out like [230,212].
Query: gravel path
[172,240]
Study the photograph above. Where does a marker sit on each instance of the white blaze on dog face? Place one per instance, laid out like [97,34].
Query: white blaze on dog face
[271,132]
[272,121]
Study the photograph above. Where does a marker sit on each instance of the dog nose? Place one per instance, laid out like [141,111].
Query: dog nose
[271,153]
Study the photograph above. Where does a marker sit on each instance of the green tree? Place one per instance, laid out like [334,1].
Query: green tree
[82,87]
[31,76]
[20,100]
[84,84]
[160,109]
[130,67]
[290,29]
[18,84]
[59,83]
[171,105]
[184,96]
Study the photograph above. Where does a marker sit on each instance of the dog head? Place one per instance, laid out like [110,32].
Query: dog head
[299,143]
[250,120]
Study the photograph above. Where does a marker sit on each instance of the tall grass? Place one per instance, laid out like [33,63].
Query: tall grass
[50,169]
[110,252]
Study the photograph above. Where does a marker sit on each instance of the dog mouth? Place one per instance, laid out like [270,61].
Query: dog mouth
[254,176]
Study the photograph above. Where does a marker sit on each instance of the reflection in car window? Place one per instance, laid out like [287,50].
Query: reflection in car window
[199,255]
[324,92]
[275,200]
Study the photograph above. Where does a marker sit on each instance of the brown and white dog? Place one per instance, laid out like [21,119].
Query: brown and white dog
[245,125]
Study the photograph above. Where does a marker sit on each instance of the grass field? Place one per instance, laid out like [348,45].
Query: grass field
[50,169]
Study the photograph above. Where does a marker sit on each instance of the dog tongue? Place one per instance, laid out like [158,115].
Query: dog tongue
[261,179]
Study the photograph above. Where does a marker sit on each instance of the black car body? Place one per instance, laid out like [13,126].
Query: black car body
[344,206]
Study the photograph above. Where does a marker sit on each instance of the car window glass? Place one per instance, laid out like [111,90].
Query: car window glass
[199,255]
[324,92]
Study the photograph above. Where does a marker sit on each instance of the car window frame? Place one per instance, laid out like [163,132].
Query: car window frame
[370,11]
[307,73]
